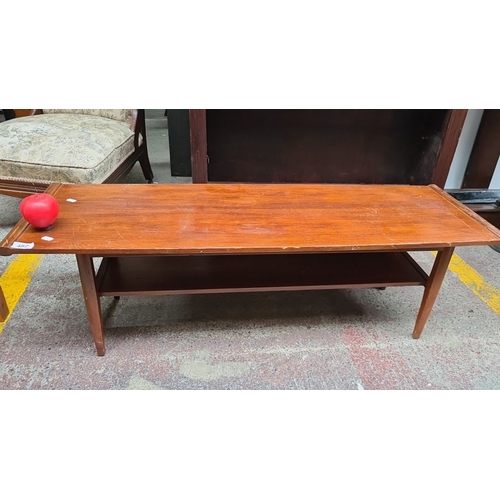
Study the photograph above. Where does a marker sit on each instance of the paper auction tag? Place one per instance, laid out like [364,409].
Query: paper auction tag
[22,246]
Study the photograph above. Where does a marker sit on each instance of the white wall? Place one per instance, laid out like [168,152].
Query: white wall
[464,148]
[495,181]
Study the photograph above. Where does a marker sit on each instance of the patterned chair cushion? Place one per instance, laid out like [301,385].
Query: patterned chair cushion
[63,147]
[121,115]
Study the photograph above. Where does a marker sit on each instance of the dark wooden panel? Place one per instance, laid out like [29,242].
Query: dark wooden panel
[485,152]
[449,141]
[492,216]
[15,113]
[179,143]
[334,146]
[216,274]
[198,137]
[9,113]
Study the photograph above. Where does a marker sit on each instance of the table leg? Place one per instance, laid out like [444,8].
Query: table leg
[92,300]
[432,288]
[4,309]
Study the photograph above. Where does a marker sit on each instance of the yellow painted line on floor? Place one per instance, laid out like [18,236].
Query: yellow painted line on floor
[16,279]
[475,282]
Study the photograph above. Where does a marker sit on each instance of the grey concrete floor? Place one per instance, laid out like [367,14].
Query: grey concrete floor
[339,339]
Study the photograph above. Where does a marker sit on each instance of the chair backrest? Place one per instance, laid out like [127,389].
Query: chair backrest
[122,115]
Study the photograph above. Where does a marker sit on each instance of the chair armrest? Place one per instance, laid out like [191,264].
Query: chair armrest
[139,126]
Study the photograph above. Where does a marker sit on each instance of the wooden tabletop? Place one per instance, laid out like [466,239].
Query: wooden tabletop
[186,219]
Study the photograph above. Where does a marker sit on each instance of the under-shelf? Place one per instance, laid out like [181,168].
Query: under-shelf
[160,275]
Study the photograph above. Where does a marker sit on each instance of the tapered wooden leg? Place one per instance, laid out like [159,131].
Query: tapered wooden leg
[432,288]
[4,309]
[146,166]
[92,300]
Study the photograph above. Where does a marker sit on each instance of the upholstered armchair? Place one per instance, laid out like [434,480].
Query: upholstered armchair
[84,146]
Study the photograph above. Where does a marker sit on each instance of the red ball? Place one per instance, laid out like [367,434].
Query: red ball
[40,210]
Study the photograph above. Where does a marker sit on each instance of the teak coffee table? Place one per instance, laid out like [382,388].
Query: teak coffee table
[212,238]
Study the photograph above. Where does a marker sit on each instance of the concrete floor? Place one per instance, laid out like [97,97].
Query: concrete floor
[340,339]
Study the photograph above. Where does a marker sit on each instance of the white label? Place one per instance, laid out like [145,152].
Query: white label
[71,200]
[47,238]
[22,246]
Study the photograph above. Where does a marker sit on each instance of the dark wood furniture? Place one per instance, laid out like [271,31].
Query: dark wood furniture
[338,146]
[485,202]
[475,192]
[22,188]
[333,145]
[485,152]
[212,238]
[9,113]
[4,310]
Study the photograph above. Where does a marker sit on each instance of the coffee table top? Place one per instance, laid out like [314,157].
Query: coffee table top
[190,219]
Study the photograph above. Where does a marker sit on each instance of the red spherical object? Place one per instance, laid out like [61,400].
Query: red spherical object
[40,210]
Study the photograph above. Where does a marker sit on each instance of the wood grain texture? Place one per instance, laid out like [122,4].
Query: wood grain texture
[492,216]
[467,209]
[432,288]
[92,302]
[187,219]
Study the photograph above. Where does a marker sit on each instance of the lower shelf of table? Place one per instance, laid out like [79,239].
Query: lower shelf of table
[161,275]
